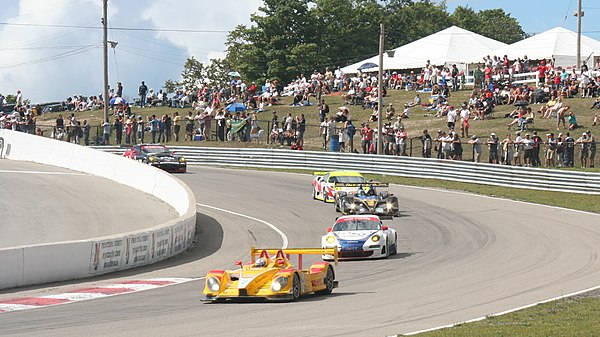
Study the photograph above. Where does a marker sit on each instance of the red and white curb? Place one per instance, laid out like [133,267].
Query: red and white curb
[85,294]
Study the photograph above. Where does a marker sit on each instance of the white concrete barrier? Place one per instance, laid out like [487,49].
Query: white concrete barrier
[61,261]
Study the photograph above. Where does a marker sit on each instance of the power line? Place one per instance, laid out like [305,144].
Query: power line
[49,58]
[116,28]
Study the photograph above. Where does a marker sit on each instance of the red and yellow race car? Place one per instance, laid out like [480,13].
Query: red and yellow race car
[272,276]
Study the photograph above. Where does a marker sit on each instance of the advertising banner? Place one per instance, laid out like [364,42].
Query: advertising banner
[107,255]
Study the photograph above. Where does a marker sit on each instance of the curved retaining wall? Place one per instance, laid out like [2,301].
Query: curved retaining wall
[35,264]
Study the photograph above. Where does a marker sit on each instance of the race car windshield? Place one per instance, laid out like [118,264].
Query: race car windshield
[356,225]
[351,179]
[155,149]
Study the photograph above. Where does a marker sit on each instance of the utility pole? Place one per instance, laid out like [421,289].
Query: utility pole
[579,15]
[105,47]
[380,93]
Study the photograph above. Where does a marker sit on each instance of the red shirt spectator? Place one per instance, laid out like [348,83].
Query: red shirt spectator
[367,133]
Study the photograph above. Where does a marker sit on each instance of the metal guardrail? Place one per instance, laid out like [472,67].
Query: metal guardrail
[478,173]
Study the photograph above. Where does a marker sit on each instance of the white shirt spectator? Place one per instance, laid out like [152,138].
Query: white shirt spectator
[451,116]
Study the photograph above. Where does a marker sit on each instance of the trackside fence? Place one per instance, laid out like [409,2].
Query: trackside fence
[468,172]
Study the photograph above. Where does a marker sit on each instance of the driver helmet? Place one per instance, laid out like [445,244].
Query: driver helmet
[261,262]
[361,192]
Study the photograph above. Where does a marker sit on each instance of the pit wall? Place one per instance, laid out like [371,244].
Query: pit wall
[60,261]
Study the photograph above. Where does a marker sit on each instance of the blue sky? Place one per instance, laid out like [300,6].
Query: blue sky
[536,16]
[52,63]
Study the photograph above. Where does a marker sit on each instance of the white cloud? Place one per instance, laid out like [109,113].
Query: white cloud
[50,63]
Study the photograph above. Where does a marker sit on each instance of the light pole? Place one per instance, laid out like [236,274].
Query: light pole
[579,15]
[105,47]
[380,93]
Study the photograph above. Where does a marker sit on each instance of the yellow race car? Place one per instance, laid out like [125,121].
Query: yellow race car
[326,185]
[272,277]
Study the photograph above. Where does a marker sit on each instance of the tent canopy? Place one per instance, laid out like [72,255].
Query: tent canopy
[451,45]
[558,43]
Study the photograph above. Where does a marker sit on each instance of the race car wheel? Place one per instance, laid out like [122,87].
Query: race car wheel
[394,247]
[329,282]
[296,288]
[314,193]
[325,196]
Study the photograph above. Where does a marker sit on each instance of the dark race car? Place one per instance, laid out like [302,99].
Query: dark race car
[366,200]
[159,156]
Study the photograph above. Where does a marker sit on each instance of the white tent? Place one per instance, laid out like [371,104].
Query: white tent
[449,46]
[558,43]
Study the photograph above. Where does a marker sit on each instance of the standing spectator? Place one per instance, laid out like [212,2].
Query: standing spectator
[161,128]
[71,129]
[176,125]
[542,69]
[507,150]
[341,140]
[140,129]
[189,126]
[153,125]
[427,144]
[86,132]
[550,149]
[301,121]
[106,132]
[323,111]
[518,149]
[401,137]
[366,134]
[569,151]
[208,117]
[592,142]
[119,89]
[129,130]
[451,118]
[142,91]
[221,123]
[528,150]
[168,127]
[19,100]
[585,149]
[438,144]
[537,143]
[454,74]
[457,149]
[79,132]
[118,126]
[465,114]
[447,140]
[477,148]
[350,132]
[275,120]
[493,148]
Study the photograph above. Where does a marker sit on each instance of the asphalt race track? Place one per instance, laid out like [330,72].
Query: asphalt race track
[460,257]
[44,204]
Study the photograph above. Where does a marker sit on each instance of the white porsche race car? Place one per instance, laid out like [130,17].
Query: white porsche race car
[360,236]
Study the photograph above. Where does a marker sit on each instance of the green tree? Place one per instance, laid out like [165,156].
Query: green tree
[348,30]
[498,25]
[466,18]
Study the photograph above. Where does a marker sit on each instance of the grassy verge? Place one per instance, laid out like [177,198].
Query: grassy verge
[567,317]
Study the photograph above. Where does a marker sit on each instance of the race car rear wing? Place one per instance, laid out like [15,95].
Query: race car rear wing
[255,252]
[319,173]
[364,185]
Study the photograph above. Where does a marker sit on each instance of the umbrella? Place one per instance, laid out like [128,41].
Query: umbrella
[368,65]
[234,107]
[521,103]
[117,100]
[234,74]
